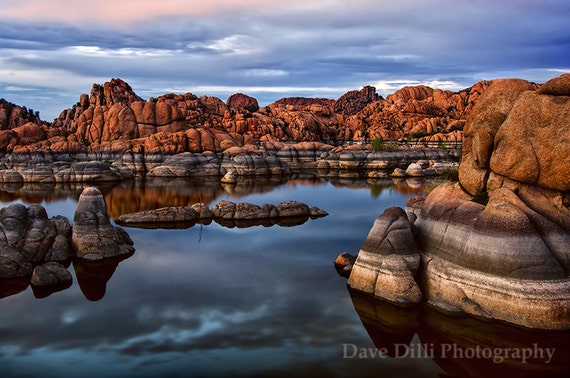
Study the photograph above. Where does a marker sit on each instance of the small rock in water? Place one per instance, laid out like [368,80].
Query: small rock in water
[343,264]
[230,177]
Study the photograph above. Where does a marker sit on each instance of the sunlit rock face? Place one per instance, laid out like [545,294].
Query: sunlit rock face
[497,244]
[93,236]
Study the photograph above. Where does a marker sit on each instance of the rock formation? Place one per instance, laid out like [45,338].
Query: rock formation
[93,236]
[225,212]
[113,117]
[28,239]
[241,101]
[36,249]
[495,245]
[388,260]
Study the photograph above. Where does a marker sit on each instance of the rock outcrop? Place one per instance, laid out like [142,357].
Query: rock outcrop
[93,235]
[495,245]
[28,238]
[354,101]
[112,117]
[226,213]
[240,101]
[37,250]
[388,260]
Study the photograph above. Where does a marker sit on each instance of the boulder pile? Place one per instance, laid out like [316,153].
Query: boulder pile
[38,249]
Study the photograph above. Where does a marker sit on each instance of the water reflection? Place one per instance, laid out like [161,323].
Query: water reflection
[206,302]
[92,276]
[462,347]
[139,194]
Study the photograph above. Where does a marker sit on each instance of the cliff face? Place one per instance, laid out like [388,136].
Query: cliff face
[496,244]
[114,117]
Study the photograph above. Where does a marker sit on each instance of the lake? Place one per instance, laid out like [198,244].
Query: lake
[210,301]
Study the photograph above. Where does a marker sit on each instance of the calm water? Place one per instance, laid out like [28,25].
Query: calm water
[259,301]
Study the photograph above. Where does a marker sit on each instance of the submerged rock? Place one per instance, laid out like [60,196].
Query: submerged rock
[344,263]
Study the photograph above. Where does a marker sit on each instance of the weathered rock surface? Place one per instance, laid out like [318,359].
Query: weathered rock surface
[93,236]
[482,126]
[496,244]
[51,274]
[28,238]
[388,260]
[241,101]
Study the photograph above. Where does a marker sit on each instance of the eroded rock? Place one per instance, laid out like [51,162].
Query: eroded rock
[93,236]
[388,260]
[496,244]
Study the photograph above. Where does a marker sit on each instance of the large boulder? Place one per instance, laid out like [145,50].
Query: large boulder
[482,125]
[507,255]
[495,245]
[241,101]
[93,236]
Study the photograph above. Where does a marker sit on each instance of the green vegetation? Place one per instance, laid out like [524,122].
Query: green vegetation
[379,145]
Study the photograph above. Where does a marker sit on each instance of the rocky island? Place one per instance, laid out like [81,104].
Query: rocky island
[496,244]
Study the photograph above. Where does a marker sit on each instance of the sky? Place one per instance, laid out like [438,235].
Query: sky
[51,51]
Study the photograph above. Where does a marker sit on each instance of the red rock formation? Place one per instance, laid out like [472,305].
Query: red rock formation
[240,101]
[354,101]
[113,117]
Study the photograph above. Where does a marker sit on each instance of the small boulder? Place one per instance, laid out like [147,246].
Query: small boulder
[399,172]
[231,177]
[343,264]
[315,212]
[415,170]
[51,274]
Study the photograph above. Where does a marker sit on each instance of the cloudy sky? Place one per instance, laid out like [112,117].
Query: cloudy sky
[51,51]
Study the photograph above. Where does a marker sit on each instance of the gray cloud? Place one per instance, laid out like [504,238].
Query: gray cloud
[303,47]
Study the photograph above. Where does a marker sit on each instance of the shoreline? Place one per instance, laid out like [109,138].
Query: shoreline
[326,160]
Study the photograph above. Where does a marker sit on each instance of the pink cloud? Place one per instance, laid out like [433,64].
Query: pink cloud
[126,12]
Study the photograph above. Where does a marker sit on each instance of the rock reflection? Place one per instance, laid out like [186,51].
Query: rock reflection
[93,276]
[387,325]
[142,194]
[13,286]
[463,347]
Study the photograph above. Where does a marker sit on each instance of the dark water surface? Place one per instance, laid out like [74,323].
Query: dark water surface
[260,301]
